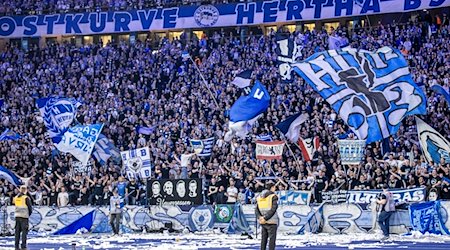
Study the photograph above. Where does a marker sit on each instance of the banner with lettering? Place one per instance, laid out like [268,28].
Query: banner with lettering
[174,192]
[351,151]
[400,195]
[426,218]
[79,169]
[187,17]
[269,150]
[293,197]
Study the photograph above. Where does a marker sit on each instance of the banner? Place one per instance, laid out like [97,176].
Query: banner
[203,147]
[401,195]
[371,91]
[351,151]
[137,162]
[174,192]
[79,168]
[269,150]
[223,213]
[434,146]
[337,196]
[308,147]
[195,17]
[105,149]
[10,176]
[426,218]
[293,197]
[8,134]
[79,141]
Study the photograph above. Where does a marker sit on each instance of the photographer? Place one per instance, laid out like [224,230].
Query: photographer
[387,203]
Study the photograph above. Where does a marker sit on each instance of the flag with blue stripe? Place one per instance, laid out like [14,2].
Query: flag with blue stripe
[145,130]
[440,90]
[105,149]
[371,91]
[9,135]
[426,218]
[288,52]
[58,114]
[204,147]
[136,162]
[291,126]
[434,145]
[10,176]
[246,110]
[243,79]
[80,141]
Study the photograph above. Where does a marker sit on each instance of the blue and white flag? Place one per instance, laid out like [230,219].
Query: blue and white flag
[238,223]
[185,55]
[434,146]
[137,162]
[264,137]
[440,90]
[291,126]
[105,149]
[203,147]
[371,91]
[9,135]
[10,176]
[246,110]
[426,218]
[288,52]
[337,42]
[80,141]
[145,130]
[243,79]
[58,114]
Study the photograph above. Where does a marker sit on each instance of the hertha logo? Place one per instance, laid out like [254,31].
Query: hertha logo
[206,15]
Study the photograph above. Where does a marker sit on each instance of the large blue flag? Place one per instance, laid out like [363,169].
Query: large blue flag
[440,90]
[58,114]
[10,176]
[434,145]
[105,149]
[9,135]
[80,141]
[426,217]
[246,110]
[371,91]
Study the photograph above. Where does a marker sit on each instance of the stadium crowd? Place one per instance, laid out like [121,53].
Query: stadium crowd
[125,86]
[23,7]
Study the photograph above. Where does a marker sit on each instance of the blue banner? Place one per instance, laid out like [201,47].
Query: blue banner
[440,90]
[187,17]
[104,149]
[238,223]
[426,218]
[292,197]
[79,141]
[371,91]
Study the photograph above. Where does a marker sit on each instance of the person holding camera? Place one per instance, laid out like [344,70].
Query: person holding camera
[387,203]
[115,214]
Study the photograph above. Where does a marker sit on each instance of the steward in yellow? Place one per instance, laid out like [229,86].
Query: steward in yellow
[266,212]
[23,211]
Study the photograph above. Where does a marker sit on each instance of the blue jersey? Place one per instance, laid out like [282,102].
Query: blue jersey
[121,186]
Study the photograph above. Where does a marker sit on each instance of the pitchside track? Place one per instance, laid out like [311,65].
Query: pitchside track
[214,241]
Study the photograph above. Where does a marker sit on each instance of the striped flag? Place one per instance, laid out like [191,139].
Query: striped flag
[308,147]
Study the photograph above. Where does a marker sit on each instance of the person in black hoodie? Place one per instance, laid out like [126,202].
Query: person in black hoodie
[23,211]
[266,212]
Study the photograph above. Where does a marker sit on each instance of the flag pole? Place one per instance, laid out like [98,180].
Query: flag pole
[204,81]
[289,148]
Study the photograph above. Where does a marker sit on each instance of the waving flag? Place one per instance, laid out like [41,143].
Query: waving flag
[337,42]
[308,147]
[243,79]
[104,149]
[80,141]
[58,114]
[203,147]
[137,162]
[10,176]
[288,52]
[434,146]
[269,150]
[9,135]
[371,91]
[246,110]
[440,90]
[291,126]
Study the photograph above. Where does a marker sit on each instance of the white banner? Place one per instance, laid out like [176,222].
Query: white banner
[187,17]
[351,151]
[137,162]
[269,150]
